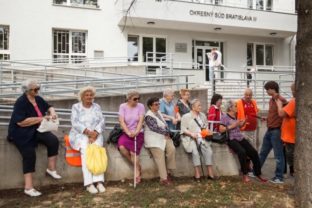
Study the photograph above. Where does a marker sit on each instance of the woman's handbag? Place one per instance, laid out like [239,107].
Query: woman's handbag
[96,159]
[176,138]
[220,138]
[48,125]
[115,134]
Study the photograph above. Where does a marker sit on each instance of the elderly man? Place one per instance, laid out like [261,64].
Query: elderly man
[247,110]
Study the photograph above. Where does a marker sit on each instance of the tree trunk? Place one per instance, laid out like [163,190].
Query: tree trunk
[303,152]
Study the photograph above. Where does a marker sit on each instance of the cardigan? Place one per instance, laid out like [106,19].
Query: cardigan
[23,109]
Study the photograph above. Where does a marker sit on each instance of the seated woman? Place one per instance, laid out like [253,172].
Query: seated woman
[192,124]
[238,143]
[87,127]
[157,140]
[214,112]
[183,105]
[29,110]
[167,109]
[131,117]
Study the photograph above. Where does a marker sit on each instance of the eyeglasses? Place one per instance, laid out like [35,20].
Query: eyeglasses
[136,99]
[156,104]
[36,89]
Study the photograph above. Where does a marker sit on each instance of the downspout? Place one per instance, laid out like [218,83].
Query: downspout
[290,50]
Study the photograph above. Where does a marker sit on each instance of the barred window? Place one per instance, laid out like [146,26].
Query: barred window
[4,42]
[87,3]
[69,46]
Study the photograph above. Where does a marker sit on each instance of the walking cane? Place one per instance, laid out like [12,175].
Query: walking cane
[200,157]
[135,150]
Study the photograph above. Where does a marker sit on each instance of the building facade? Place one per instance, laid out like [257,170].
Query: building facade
[247,32]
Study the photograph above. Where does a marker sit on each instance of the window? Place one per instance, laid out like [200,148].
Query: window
[264,5]
[69,46]
[133,48]
[154,49]
[260,54]
[4,42]
[85,3]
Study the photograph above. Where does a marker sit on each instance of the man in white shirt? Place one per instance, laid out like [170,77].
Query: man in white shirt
[215,62]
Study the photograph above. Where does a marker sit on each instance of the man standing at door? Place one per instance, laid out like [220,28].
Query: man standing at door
[215,62]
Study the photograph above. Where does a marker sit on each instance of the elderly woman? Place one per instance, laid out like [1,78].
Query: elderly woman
[131,117]
[29,110]
[192,124]
[87,126]
[157,140]
[238,143]
[214,112]
[167,109]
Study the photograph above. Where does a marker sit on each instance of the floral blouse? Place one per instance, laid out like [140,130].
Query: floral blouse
[82,118]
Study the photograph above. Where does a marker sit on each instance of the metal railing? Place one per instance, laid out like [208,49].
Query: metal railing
[111,118]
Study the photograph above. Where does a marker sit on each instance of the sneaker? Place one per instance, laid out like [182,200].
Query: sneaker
[92,189]
[53,174]
[261,179]
[276,181]
[246,179]
[32,192]
[165,182]
[100,187]
[251,174]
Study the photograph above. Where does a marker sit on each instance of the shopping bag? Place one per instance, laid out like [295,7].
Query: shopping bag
[96,159]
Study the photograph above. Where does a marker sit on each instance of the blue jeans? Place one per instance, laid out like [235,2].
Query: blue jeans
[272,139]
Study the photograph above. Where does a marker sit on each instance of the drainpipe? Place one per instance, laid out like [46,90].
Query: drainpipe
[290,51]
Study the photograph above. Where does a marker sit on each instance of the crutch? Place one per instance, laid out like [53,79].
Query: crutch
[200,157]
[135,155]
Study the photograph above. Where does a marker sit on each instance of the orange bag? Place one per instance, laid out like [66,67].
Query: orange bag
[72,156]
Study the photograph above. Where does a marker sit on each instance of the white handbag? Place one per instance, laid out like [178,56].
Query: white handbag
[48,125]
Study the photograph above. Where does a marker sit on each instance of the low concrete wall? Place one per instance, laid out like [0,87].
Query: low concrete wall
[224,162]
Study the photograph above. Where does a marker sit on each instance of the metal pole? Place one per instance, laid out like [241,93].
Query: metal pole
[186,80]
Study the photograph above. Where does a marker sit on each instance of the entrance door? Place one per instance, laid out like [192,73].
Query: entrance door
[202,59]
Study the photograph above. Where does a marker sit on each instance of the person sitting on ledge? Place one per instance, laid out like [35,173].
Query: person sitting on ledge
[157,140]
[238,143]
[29,110]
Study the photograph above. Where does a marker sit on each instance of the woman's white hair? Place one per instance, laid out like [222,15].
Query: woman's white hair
[193,102]
[168,91]
[132,93]
[85,89]
[228,105]
[28,84]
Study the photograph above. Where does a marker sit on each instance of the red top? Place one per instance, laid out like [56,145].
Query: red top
[214,114]
[251,116]
[39,114]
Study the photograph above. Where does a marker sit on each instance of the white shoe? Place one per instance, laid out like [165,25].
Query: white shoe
[53,174]
[100,187]
[32,192]
[92,189]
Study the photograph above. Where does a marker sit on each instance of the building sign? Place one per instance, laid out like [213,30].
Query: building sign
[180,47]
[222,15]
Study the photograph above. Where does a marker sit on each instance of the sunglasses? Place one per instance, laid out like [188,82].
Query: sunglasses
[36,89]
[136,99]
[156,104]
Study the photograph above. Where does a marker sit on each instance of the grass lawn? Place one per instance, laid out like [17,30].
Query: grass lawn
[226,192]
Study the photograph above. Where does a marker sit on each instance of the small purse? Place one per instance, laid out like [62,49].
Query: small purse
[48,125]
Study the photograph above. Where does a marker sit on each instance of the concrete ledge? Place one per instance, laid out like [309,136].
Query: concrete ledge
[118,167]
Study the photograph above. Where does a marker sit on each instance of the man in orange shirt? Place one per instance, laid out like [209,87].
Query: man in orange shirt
[247,110]
[288,128]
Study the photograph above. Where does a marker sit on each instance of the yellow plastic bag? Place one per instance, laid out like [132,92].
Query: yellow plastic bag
[96,159]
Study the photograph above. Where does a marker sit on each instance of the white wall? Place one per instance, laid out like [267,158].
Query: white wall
[31,23]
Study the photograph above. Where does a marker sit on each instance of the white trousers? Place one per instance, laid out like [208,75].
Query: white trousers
[88,177]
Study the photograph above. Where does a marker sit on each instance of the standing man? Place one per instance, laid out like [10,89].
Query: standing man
[215,62]
[247,110]
[289,128]
[272,137]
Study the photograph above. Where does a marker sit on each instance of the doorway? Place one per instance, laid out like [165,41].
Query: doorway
[202,60]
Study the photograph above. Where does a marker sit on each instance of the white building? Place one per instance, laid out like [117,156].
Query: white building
[248,32]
